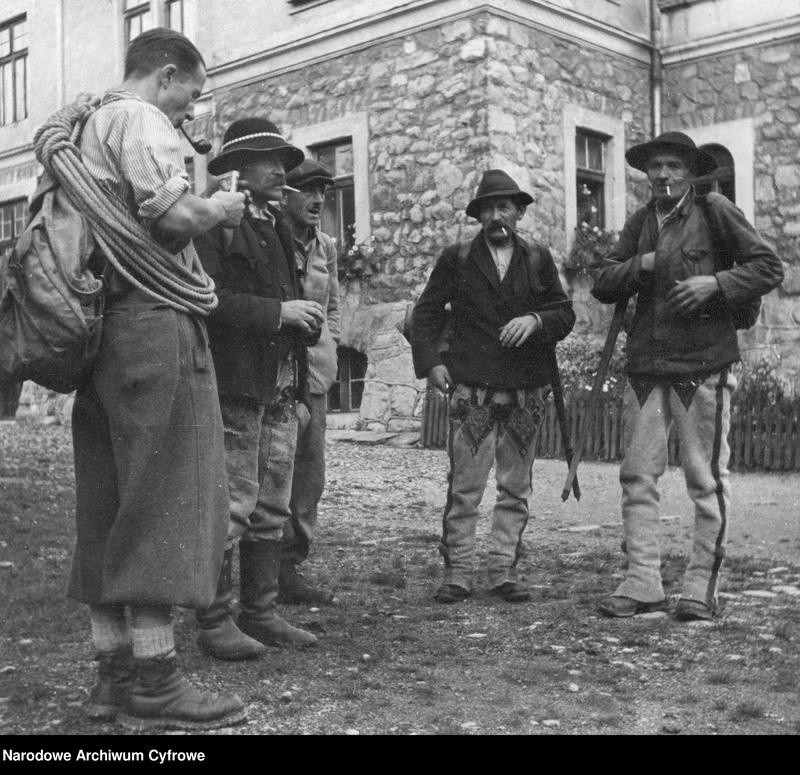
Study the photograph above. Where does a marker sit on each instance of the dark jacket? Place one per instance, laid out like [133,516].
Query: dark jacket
[481,306]
[662,343]
[254,269]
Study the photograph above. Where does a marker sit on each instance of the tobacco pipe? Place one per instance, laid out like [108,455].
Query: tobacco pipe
[201,145]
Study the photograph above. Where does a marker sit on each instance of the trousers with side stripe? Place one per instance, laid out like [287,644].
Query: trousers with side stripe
[700,412]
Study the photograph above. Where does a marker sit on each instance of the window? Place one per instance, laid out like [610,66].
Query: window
[738,139]
[142,16]
[590,177]
[138,19]
[723,178]
[339,211]
[594,155]
[345,394]
[342,144]
[12,221]
[175,16]
[13,71]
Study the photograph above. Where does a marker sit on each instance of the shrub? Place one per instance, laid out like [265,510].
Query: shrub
[579,359]
[759,379]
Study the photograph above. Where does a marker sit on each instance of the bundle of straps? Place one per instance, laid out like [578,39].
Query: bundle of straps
[128,246]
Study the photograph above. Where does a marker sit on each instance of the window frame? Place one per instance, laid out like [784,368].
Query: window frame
[13,59]
[128,14]
[354,126]
[15,231]
[585,174]
[343,384]
[345,233]
[578,118]
[738,137]
[723,179]
[169,5]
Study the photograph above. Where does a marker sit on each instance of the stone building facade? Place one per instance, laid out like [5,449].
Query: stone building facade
[430,94]
[751,96]
[442,105]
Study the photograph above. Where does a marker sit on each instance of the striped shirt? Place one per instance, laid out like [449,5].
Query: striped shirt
[130,147]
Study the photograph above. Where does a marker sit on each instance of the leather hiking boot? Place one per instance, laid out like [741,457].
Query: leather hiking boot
[451,593]
[276,631]
[219,636]
[259,565]
[295,588]
[693,611]
[115,679]
[161,698]
[227,642]
[511,592]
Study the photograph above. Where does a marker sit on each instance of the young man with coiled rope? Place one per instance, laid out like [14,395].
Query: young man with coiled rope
[149,455]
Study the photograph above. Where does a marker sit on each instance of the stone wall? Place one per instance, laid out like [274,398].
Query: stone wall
[762,83]
[444,104]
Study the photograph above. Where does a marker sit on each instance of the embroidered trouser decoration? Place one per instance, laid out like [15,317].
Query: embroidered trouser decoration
[700,412]
[488,427]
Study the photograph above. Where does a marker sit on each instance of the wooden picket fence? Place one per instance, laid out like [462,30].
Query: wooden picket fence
[763,436]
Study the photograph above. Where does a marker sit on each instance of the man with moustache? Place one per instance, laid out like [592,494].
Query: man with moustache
[508,311]
[315,253]
[680,348]
[258,335]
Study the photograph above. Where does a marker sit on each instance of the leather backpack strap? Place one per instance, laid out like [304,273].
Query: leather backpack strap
[721,241]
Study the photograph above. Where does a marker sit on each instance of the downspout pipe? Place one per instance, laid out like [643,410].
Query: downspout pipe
[656,69]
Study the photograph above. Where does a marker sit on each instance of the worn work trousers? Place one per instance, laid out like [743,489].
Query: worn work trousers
[701,415]
[307,484]
[260,447]
[489,427]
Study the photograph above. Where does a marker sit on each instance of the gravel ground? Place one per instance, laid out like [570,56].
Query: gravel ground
[391,661]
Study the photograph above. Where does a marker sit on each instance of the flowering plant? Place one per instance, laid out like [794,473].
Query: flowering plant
[358,260]
[591,245]
[759,379]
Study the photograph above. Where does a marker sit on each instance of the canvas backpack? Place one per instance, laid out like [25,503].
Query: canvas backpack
[725,248]
[52,303]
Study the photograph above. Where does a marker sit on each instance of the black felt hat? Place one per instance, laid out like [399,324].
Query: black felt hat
[671,142]
[496,183]
[309,171]
[249,136]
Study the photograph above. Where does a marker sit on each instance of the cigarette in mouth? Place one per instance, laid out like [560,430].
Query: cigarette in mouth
[503,229]
[669,193]
[293,190]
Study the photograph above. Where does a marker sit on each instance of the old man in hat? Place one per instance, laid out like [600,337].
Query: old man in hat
[315,253]
[258,335]
[508,310]
[696,266]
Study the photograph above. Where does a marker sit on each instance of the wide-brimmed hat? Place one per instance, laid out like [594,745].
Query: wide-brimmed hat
[496,183]
[308,172]
[249,136]
[671,142]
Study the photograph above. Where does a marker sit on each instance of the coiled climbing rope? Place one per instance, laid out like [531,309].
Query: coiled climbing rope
[130,249]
